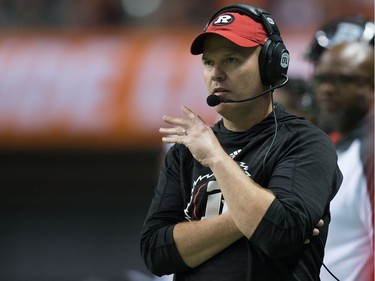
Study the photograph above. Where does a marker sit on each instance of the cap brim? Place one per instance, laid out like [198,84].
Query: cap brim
[198,43]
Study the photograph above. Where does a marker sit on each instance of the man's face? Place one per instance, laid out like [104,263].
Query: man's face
[341,88]
[230,71]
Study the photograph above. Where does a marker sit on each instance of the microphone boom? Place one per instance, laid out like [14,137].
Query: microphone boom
[213,100]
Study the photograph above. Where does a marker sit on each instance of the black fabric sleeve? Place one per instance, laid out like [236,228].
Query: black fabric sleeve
[304,180]
[158,249]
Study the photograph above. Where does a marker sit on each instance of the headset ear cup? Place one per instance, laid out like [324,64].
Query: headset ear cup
[280,63]
[264,62]
[273,62]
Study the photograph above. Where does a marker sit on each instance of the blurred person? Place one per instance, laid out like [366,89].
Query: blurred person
[237,201]
[350,28]
[297,98]
[5,14]
[100,12]
[182,13]
[30,12]
[350,125]
[92,13]
[344,88]
[337,31]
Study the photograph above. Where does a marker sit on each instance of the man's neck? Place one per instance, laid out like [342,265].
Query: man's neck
[243,123]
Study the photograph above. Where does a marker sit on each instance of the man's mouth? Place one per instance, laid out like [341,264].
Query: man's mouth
[219,91]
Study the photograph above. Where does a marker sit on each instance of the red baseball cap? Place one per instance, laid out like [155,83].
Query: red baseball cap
[240,29]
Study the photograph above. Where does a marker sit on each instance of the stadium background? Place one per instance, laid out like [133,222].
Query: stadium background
[83,87]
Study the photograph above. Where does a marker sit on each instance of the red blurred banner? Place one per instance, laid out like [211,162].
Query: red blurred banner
[102,89]
[95,90]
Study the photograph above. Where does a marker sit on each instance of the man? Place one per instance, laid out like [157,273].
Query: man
[344,81]
[237,201]
[337,31]
[297,98]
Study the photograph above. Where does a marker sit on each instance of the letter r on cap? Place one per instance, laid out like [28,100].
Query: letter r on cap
[223,19]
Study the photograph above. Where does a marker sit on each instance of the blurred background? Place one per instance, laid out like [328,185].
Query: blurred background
[83,87]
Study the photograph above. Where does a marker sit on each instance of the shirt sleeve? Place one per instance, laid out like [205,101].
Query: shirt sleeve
[158,249]
[304,180]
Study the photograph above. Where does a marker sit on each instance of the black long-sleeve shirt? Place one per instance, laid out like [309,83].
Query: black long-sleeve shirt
[299,166]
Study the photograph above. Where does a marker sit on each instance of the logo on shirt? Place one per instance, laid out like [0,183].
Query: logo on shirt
[206,199]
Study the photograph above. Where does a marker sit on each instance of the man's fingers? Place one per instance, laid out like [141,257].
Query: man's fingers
[174,120]
[320,223]
[173,131]
[187,111]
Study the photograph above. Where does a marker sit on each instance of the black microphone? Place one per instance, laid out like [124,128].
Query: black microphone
[214,100]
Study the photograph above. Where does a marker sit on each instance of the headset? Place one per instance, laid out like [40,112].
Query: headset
[274,56]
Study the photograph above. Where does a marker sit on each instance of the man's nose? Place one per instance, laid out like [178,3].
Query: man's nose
[218,74]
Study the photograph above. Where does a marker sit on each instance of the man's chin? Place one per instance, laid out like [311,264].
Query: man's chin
[329,121]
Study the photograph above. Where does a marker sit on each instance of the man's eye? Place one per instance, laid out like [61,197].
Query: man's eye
[208,62]
[231,60]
